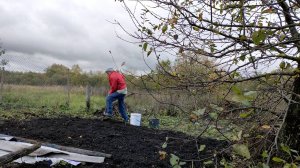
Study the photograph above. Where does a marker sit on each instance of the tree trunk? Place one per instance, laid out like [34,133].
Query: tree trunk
[291,132]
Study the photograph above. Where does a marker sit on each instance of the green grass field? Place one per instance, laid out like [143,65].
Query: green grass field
[50,101]
[26,102]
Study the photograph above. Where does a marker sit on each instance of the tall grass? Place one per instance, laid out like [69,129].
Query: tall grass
[49,98]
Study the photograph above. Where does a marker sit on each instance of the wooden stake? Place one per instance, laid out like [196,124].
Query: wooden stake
[88,97]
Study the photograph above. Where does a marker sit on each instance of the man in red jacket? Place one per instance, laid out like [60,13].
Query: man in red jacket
[118,91]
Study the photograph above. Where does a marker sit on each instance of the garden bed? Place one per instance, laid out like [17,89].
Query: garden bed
[130,146]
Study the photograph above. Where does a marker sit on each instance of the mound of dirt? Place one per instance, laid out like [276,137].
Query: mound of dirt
[130,146]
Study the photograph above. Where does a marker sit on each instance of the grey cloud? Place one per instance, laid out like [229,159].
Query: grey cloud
[68,32]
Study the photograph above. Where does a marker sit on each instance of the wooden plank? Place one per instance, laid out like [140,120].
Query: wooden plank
[48,153]
[68,149]
[17,154]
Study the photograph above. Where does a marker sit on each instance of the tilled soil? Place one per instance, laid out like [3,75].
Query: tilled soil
[130,146]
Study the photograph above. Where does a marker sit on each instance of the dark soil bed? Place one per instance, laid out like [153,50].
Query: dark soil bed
[130,146]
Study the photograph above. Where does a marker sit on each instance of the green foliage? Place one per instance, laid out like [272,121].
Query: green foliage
[214,116]
[175,161]
[265,154]
[57,69]
[246,114]
[259,36]
[285,148]
[290,165]
[209,162]
[262,165]
[145,45]
[201,148]
[236,90]
[76,76]
[216,107]
[165,144]
[199,112]
[282,65]
[195,28]
[285,65]
[243,57]
[242,150]
[245,98]
[236,136]
[149,52]
[278,160]
[164,28]
[224,163]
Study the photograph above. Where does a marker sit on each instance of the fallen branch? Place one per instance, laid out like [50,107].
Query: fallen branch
[68,149]
[18,154]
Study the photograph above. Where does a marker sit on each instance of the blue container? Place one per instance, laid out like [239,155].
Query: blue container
[154,123]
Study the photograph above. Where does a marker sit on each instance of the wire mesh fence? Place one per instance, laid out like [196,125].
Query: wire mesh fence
[34,88]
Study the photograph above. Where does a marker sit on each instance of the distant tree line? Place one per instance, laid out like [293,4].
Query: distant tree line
[161,77]
[56,74]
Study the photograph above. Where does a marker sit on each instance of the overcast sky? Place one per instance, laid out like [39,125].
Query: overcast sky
[38,33]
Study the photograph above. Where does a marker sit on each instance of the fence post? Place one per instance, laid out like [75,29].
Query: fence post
[2,82]
[88,97]
[68,88]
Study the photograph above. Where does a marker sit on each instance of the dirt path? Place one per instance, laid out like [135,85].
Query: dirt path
[130,146]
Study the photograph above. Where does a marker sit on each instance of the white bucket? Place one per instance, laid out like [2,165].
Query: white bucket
[135,119]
